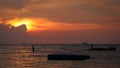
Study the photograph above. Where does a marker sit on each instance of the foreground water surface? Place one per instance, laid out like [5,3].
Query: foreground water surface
[21,56]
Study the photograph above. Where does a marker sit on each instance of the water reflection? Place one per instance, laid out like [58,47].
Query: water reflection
[22,57]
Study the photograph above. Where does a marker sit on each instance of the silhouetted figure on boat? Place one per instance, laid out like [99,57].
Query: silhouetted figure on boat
[101,49]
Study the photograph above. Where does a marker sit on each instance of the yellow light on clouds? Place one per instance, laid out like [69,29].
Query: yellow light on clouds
[18,22]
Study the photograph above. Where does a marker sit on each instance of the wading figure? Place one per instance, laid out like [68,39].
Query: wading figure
[33,48]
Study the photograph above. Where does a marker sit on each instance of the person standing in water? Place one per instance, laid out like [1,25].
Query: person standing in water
[33,48]
[92,46]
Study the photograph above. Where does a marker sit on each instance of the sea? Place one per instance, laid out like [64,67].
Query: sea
[22,56]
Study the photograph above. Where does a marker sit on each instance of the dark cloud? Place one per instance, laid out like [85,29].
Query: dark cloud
[72,11]
[12,8]
[13,4]
[83,15]
[11,34]
[77,11]
[40,1]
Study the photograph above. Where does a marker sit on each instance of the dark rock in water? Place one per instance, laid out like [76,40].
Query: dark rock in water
[102,49]
[67,57]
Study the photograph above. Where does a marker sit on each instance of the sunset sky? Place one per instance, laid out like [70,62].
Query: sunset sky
[60,21]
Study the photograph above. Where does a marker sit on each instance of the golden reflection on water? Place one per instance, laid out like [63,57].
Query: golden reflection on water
[24,58]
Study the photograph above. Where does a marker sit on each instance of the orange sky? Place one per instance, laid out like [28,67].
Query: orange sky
[44,24]
[73,16]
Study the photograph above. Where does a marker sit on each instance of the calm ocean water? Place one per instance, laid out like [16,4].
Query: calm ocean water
[21,56]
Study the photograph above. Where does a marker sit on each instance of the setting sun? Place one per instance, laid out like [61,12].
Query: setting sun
[26,22]
[18,22]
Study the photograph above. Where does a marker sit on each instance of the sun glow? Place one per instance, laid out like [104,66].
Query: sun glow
[18,22]
[32,24]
